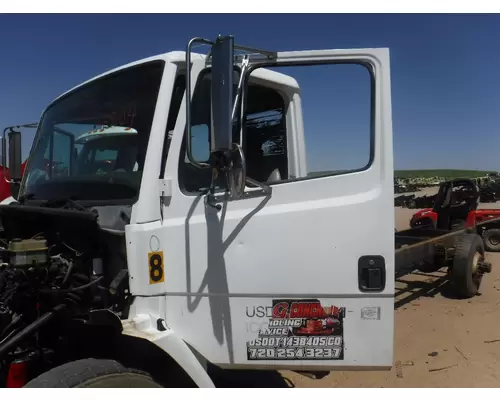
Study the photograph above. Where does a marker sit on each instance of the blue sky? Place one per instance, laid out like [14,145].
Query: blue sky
[445,90]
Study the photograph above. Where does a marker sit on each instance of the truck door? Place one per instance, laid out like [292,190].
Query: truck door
[298,273]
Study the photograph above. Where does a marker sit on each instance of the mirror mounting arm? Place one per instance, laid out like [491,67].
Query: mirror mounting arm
[189,152]
[220,162]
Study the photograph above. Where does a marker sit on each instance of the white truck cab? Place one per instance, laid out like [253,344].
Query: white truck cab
[233,258]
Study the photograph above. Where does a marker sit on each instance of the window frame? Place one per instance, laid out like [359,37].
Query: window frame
[130,201]
[181,165]
[289,119]
[369,68]
[180,75]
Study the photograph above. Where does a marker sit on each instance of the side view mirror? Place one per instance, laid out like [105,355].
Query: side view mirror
[224,153]
[14,163]
[15,155]
[225,156]
[222,94]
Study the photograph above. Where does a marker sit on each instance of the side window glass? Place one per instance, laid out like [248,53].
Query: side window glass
[105,154]
[264,135]
[334,103]
[60,159]
[200,142]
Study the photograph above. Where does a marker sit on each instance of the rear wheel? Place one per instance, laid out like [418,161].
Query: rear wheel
[93,373]
[467,269]
[491,239]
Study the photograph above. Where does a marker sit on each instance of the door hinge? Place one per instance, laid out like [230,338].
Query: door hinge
[165,187]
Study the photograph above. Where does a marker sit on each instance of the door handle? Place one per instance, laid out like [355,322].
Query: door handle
[371,274]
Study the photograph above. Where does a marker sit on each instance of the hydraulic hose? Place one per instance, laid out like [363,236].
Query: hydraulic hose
[74,289]
[30,329]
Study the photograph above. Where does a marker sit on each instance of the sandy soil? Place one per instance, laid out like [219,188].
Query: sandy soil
[440,341]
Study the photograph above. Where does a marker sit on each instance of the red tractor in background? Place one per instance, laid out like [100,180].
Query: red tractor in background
[6,188]
[463,195]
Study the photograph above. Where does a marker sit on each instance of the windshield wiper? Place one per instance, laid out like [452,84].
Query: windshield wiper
[63,201]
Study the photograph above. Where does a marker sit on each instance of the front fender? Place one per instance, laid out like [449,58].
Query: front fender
[145,326]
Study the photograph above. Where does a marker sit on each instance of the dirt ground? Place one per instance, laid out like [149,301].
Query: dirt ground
[440,341]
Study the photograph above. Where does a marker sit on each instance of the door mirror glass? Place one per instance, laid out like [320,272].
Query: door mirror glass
[200,143]
[222,94]
[15,155]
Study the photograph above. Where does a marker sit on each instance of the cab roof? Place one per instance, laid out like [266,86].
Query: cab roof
[179,57]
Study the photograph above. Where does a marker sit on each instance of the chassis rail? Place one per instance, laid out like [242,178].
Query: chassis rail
[417,246]
[422,244]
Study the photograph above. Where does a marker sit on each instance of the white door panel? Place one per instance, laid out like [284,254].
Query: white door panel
[295,250]
[226,270]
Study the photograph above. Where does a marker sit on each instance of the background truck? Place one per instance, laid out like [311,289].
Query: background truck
[131,260]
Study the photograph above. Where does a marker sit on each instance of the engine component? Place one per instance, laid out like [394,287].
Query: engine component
[28,252]
[33,327]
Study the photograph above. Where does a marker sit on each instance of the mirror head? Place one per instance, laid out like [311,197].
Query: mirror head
[15,161]
[222,94]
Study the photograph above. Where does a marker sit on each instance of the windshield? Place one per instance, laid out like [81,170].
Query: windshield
[91,144]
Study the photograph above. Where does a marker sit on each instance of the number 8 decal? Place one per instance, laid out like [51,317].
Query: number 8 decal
[156,269]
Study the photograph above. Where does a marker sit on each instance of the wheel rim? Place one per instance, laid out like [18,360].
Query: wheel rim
[477,276]
[475,262]
[494,240]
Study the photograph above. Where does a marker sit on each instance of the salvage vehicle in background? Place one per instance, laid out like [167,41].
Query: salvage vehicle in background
[465,197]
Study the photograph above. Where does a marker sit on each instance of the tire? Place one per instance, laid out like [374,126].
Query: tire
[491,238]
[93,373]
[465,276]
